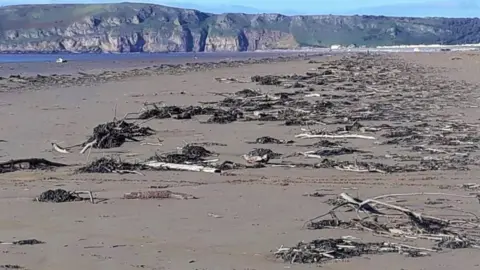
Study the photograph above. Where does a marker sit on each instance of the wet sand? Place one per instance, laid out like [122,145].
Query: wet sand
[239,218]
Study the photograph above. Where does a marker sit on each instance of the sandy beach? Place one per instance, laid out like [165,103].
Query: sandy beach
[243,215]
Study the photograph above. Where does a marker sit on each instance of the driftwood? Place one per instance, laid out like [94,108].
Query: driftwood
[28,164]
[446,233]
[328,136]
[161,194]
[88,146]
[181,167]
[59,149]
[230,80]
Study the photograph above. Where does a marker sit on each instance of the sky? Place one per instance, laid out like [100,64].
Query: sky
[417,8]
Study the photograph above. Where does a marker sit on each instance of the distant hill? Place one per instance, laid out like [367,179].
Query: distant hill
[133,27]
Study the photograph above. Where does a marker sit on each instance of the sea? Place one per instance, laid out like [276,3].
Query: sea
[74,57]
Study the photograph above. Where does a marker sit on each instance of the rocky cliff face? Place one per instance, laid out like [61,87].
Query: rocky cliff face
[128,27]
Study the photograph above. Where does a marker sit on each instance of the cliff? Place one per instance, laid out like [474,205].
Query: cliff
[132,27]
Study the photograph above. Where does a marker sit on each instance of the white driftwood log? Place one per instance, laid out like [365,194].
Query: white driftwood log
[346,136]
[59,149]
[181,167]
[88,146]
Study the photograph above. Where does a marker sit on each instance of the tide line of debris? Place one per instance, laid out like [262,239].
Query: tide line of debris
[353,98]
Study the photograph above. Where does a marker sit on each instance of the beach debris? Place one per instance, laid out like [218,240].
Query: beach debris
[61,195]
[158,143]
[315,194]
[28,164]
[324,143]
[188,154]
[375,167]
[157,111]
[224,117]
[115,133]
[195,152]
[230,165]
[112,165]
[230,80]
[158,194]
[333,136]
[383,219]
[264,151]
[331,152]
[270,140]
[471,186]
[323,250]
[214,215]
[190,158]
[260,155]
[208,144]
[248,93]
[180,167]
[11,266]
[266,80]
[26,242]
[59,149]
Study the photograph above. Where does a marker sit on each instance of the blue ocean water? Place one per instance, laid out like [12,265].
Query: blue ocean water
[18,58]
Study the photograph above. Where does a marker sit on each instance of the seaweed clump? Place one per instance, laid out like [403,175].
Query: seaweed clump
[114,134]
[110,165]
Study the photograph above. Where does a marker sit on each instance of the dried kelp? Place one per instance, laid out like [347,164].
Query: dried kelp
[264,151]
[29,164]
[153,110]
[111,165]
[230,165]
[270,140]
[363,166]
[333,152]
[266,80]
[224,117]
[195,152]
[114,134]
[324,250]
[58,196]
[11,266]
[189,154]
[26,242]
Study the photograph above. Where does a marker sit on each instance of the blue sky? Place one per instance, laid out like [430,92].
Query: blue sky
[447,8]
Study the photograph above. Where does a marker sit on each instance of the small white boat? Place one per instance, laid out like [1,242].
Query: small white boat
[61,60]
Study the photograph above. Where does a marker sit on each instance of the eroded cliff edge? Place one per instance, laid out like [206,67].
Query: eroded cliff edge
[129,27]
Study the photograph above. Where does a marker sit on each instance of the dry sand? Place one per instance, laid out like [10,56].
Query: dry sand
[258,210]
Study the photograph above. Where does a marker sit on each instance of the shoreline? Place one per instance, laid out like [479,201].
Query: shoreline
[93,56]
[11,81]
